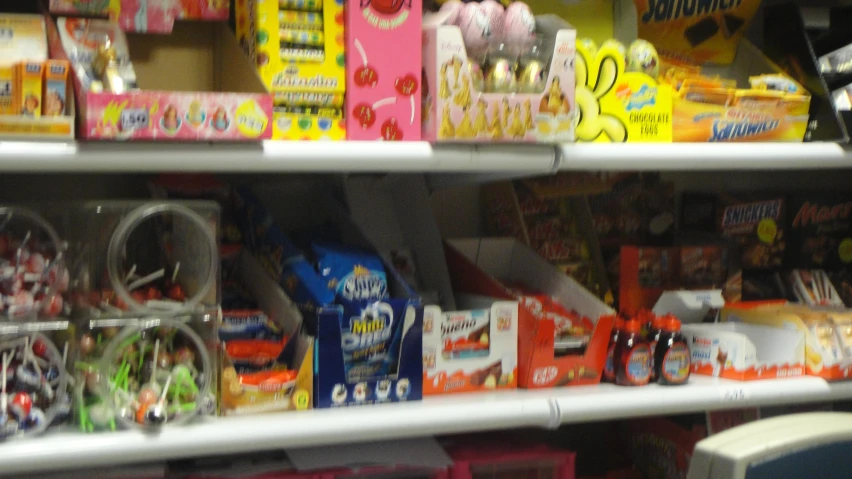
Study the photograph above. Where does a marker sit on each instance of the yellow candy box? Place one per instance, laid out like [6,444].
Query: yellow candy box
[616,105]
[296,68]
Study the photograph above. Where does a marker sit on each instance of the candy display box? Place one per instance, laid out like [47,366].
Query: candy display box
[615,105]
[826,333]
[454,110]
[195,84]
[383,96]
[36,96]
[346,336]
[483,267]
[161,13]
[297,48]
[491,459]
[34,359]
[133,258]
[471,350]
[778,112]
[469,343]
[288,384]
[745,351]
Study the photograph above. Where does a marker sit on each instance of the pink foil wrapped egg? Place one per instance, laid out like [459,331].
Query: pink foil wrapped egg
[451,9]
[475,27]
[519,29]
[496,17]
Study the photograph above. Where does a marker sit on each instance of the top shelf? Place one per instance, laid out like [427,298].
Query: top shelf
[376,157]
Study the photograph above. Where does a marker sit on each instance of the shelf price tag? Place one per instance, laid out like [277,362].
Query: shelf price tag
[734,394]
[134,119]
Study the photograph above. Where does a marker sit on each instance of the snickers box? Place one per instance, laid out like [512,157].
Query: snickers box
[820,231]
[755,224]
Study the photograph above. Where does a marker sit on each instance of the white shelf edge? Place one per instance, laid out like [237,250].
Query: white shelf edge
[270,156]
[433,416]
[702,156]
[232,435]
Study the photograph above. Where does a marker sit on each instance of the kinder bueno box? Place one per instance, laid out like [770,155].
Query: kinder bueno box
[563,330]
[383,75]
[820,231]
[470,350]
[455,107]
[827,333]
[745,351]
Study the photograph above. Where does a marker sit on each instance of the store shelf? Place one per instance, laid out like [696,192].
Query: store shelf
[703,393]
[435,415]
[269,156]
[703,156]
[481,162]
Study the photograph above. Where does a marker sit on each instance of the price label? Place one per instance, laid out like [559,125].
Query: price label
[134,119]
[301,399]
[6,34]
[734,395]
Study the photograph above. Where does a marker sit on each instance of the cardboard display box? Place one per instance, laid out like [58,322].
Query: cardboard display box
[455,110]
[341,333]
[298,353]
[480,267]
[195,85]
[745,352]
[825,333]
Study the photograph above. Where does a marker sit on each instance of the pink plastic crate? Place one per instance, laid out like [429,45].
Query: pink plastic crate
[507,462]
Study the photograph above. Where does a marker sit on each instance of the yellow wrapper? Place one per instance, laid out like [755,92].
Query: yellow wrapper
[705,31]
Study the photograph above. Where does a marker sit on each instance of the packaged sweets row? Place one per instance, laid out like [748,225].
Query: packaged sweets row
[470,72]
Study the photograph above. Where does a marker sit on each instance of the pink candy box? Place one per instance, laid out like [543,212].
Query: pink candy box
[454,110]
[206,90]
[383,70]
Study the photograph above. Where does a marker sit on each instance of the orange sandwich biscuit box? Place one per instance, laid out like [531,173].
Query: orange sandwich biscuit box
[470,350]
[563,329]
[55,88]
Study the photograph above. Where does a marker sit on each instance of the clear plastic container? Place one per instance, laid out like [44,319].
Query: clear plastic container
[133,258]
[32,272]
[146,372]
[33,377]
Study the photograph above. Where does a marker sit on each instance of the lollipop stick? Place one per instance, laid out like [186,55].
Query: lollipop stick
[146,279]
[175,272]
[154,368]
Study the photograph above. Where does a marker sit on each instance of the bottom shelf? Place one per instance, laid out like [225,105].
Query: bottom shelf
[433,416]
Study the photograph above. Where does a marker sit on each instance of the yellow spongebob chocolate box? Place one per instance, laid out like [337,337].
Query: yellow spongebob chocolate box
[615,105]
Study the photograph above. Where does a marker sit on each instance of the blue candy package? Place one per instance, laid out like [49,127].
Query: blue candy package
[356,277]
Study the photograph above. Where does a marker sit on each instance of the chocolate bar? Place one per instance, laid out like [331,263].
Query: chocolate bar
[731,24]
[702,31]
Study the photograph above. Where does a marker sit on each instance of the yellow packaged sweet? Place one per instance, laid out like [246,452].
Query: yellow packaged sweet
[620,103]
[22,38]
[705,31]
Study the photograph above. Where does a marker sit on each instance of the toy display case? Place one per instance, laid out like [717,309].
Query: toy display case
[195,83]
[145,372]
[455,110]
[298,50]
[132,258]
[34,394]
